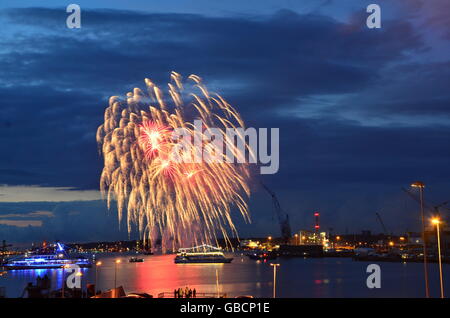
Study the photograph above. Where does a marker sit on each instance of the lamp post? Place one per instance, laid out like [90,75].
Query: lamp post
[96,275]
[115,272]
[296,237]
[79,274]
[274,278]
[436,222]
[217,284]
[64,280]
[421,186]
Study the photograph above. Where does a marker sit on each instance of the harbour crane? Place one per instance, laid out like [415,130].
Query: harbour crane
[437,207]
[283,218]
[382,223]
[425,204]
[386,233]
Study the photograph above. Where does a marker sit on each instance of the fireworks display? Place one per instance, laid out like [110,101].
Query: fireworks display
[182,202]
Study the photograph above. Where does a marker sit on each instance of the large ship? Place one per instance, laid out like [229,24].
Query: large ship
[50,256]
[201,254]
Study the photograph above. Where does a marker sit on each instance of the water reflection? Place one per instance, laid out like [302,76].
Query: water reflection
[297,277]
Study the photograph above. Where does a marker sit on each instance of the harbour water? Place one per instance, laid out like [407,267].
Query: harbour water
[296,277]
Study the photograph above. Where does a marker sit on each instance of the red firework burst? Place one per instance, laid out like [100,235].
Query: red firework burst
[152,138]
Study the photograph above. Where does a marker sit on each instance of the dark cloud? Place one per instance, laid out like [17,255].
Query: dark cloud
[290,53]
[70,222]
[50,137]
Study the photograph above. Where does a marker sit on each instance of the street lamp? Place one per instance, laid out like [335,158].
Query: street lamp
[436,222]
[64,280]
[296,236]
[274,278]
[79,274]
[115,272]
[99,263]
[336,241]
[421,186]
[217,283]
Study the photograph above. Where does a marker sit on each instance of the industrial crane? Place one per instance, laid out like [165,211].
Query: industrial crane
[283,218]
[386,233]
[382,224]
[426,206]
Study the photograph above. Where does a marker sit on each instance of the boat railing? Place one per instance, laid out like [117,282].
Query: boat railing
[204,248]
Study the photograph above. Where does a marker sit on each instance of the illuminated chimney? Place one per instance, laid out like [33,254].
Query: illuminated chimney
[317,225]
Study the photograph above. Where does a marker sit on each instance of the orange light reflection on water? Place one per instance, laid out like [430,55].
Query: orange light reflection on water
[161,274]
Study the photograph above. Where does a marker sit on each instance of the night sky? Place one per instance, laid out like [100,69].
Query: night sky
[362,112]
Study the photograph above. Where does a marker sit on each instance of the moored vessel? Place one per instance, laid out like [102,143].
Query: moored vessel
[51,256]
[201,254]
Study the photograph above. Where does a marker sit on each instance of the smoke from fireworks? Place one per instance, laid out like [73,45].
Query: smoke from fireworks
[182,202]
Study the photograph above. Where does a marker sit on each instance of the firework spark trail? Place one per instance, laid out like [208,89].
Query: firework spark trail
[180,202]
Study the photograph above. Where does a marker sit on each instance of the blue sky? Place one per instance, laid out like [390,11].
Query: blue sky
[361,112]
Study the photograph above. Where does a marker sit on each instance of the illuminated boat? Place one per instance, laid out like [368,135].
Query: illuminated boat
[47,257]
[201,254]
